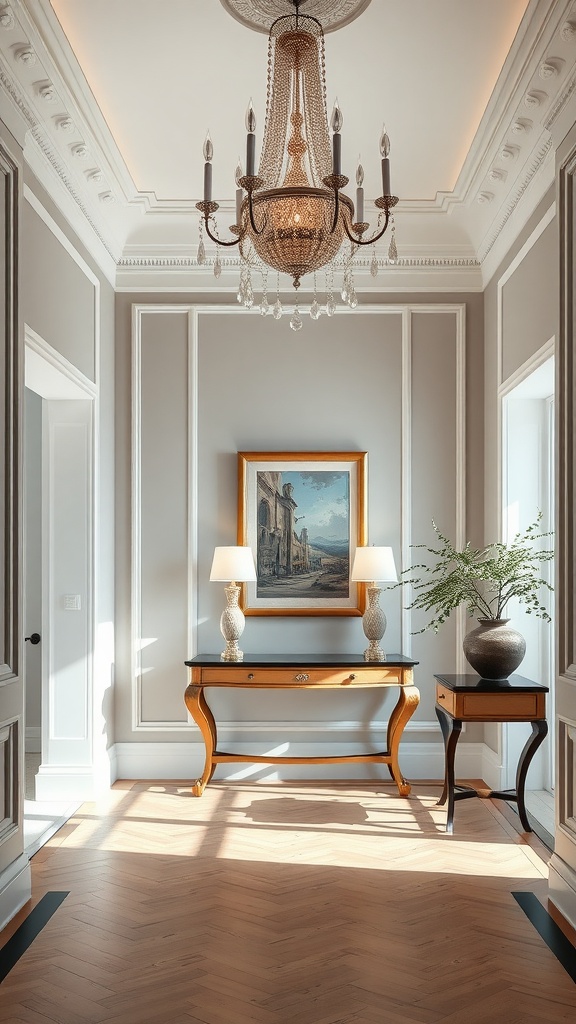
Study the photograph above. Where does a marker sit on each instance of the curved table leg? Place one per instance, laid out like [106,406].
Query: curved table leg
[451,729]
[539,731]
[197,706]
[408,701]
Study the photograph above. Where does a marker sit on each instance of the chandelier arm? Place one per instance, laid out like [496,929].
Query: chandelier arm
[369,241]
[206,209]
[385,203]
[255,229]
[335,182]
[219,241]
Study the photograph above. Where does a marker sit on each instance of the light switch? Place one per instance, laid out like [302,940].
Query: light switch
[72,602]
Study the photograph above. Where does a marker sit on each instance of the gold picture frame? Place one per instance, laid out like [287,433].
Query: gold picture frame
[302,570]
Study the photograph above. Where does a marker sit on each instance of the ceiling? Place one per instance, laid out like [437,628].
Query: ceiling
[119,96]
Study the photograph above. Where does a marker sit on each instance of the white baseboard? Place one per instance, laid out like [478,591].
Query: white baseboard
[492,770]
[186,761]
[15,889]
[562,888]
[73,783]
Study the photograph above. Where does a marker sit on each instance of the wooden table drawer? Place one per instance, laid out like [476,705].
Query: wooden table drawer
[445,698]
[487,705]
[246,676]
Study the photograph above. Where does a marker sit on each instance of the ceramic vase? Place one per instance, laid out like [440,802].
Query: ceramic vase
[494,649]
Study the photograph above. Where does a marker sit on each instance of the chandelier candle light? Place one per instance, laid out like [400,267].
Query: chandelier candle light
[232,565]
[291,214]
[374,565]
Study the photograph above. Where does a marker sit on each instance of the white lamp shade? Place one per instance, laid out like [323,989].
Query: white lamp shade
[374,564]
[233,564]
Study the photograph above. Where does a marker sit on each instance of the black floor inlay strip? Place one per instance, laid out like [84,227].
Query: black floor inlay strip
[28,930]
[553,936]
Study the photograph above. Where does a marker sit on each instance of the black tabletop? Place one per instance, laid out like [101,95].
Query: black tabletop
[303,660]
[464,683]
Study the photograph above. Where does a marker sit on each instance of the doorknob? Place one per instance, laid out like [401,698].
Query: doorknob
[34,639]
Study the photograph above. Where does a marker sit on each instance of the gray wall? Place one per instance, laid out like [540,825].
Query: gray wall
[530,302]
[258,386]
[58,301]
[529,319]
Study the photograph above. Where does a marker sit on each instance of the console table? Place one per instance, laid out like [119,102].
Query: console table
[301,672]
[466,698]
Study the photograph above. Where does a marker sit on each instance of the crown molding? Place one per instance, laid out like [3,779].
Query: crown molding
[66,80]
[514,117]
[539,177]
[173,271]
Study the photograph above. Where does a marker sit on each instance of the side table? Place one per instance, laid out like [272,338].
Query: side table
[467,698]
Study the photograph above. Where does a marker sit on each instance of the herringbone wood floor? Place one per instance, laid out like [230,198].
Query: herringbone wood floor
[286,904]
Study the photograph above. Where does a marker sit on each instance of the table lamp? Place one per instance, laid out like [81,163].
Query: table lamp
[372,565]
[232,565]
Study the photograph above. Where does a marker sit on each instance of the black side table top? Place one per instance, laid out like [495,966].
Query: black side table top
[303,660]
[465,683]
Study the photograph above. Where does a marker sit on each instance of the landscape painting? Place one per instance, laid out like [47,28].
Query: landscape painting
[302,513]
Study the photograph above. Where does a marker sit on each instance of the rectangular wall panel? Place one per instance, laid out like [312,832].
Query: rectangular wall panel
[162,425]
[437,471]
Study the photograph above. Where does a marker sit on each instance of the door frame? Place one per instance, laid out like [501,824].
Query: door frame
[54,378]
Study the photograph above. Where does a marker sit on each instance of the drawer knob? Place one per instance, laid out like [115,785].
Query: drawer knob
[352,676]
[250,675]
[301,677]
[441,696]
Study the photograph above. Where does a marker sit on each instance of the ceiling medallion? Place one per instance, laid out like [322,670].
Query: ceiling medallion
[259,14]
[292,216]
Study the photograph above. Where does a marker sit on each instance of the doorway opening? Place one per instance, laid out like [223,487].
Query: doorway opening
[58,587]
[528,488]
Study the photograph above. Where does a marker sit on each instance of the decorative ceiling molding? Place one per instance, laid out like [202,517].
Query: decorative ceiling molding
[535,98]
[531,77]
[568,30]
[44,147]
[514,199]
[561,100]
[6,17]
[26,55]
[47,92]
[550,68]
[497,175]
[259,14]
[190,262]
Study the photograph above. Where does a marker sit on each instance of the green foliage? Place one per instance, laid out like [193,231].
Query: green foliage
[484,580]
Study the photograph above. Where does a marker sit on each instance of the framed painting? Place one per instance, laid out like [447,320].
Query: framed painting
[303,514]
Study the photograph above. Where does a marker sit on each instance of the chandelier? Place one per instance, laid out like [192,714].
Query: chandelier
[292,216]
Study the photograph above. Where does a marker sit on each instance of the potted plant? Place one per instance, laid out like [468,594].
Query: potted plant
[484,580]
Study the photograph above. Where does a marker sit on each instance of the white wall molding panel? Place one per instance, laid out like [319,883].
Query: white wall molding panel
[184,494]
[164,510]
